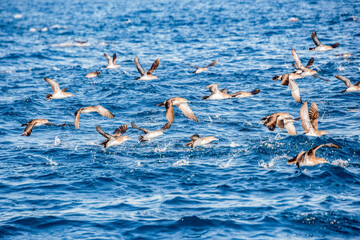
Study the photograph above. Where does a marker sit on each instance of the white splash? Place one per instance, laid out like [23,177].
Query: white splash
[340,163]
[268,165]
[33,30]
[138,164]
[340,68]
[182,162]
[49,160]
[233,144]
[56,69]
[163,149]
[44,29]
[226,165]
[57,141]
[17,16]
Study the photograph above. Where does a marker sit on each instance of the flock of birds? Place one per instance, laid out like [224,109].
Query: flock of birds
[309,119]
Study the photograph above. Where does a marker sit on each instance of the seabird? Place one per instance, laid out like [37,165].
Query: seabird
[93,74]
[308,158]
[146,75]
[151,134]
[281,120]
[196,140]
[58,93]
[97,108]
[303,71]
[295,92]
[350,87]
[217,94]
[309,120]
[115,138]
[202,69]
[181,103]
[319,45]
[35,123]
[111,61]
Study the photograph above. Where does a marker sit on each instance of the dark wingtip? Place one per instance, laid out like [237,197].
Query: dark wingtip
[256,91]
[276,78]
[311,49]
[335,45]
[160,104]
[205,97]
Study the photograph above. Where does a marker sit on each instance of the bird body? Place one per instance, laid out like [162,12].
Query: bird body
[217,94]
[58,93]
[116,138]
[350,87]
[203,69]
[92,74]
[146,76]
[319,45]
[151,134]
[111,61]
[181,103]
[309,120]
[196,140]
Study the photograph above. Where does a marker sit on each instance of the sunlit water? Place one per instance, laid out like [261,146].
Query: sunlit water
[59,183]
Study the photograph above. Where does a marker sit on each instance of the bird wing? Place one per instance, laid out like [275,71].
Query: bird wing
[120,130]
[312,151]
[297,59]
[29,128]
[213,88]
[212,64]
[166,126]
[114,58]
[290,128]
[138,66]
[192,66]
[154,66]
[108,58]
[345,80]
[314,115]
[310,63]
[98,128]
[305,119]
[169,111]
[77,117]
[54,85]
[194,137]
[103,111]
[270,121]
[141,129]
[315,39]
[295,92]
[184,107]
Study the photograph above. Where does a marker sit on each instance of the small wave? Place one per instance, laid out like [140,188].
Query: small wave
[340,163]
[57,141]
[18,16]
[49,160]
[182,162]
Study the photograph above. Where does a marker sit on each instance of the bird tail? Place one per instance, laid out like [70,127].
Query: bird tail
[189,144]
[291,161]
[141,138]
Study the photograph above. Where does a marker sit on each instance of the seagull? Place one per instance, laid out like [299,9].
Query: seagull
[115,138]
[308,158]
[350,87]
[93,74]
[217,94]
[303,71]
[146,75]
[151,134]
[319,45]
[97,108]
[35,123]
[196,140]
[58,93]
[111,61]
[309,121]
[202,69]
[281,120]
[180,103]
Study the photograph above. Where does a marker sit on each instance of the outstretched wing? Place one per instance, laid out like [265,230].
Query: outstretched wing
[315,39]
[305,119]
[312,151]
[314,115]
[98,128]
[212,64]
[169,111]
[114,58]
[103,111]
[77,117]
[166,126]
[54,85]
[120,130]
[345,80]
[297,59]
[108,58]
[295,92]
[184,107]
[310,63]
[141,129]
[154,66]
[138,66]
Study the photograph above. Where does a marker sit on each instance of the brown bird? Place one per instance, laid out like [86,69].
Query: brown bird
[93,74]
[217,94]
[58,93]
[350,87]
[196,140]
[295,91]
[309,121]
[146,75]
[115,138]
[180,103]
[319,45]
[202,69]
[151,134]
[35,123]
[281,120]
[303,71]
[97,108]
[308,158]
[111,61]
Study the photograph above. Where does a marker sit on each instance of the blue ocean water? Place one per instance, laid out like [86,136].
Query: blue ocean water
[60,184]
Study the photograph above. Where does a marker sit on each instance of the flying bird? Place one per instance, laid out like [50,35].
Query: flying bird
[350,87]
[202,69]
[111,61]
[196,140]
[35,123]
[217,94]
[146,75]
[181,103]
[97,108]
[308,158]
[303,71]
[309,120]
[116,138]
[93,74]
[281,120]
[58,93]
[151,134]
[319,45]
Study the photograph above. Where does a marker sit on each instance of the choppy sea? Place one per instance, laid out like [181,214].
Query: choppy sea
[60,184]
